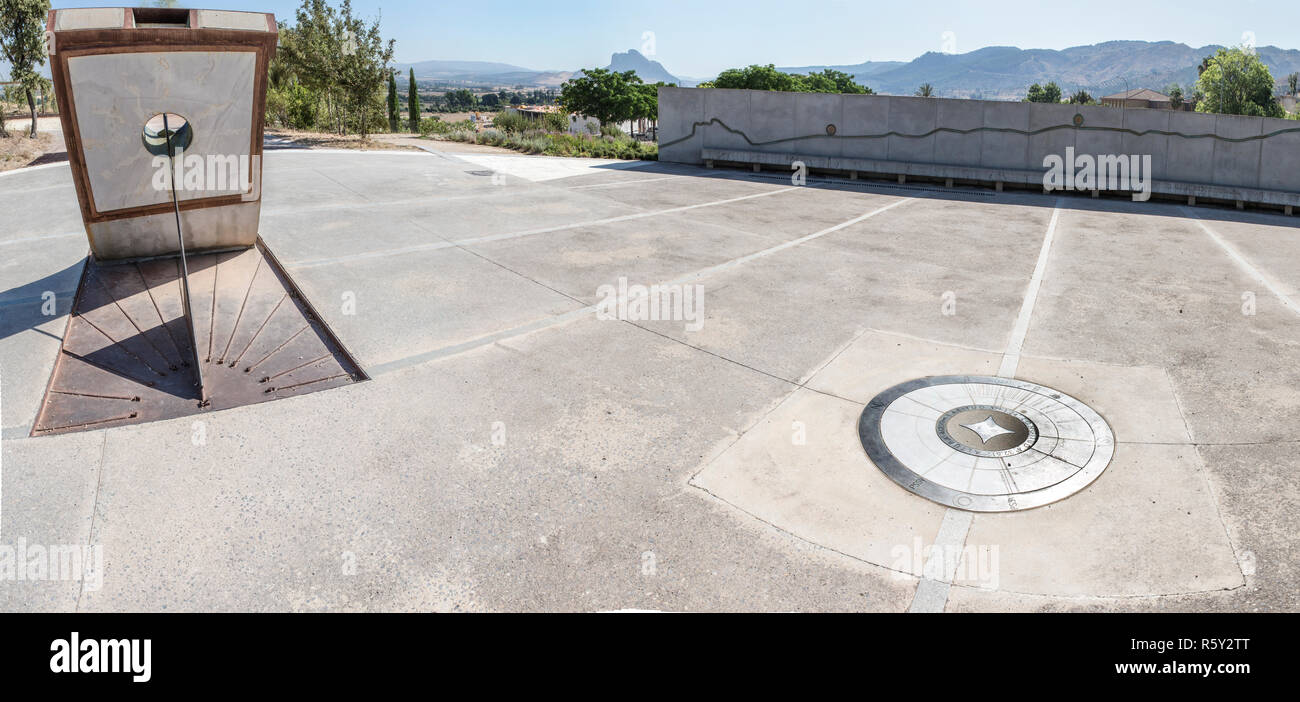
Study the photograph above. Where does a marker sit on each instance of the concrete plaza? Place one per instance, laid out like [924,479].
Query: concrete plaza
[514,451]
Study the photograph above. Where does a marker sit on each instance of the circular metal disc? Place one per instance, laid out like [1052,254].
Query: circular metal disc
[156,131]
[985,444]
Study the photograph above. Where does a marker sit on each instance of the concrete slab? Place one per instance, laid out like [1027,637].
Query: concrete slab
[543,168]
[514,453]
[407,304]
[1148,526]
[578,262]
[801,470]
[49,498]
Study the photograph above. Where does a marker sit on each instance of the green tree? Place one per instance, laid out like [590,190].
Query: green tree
[363,67]
[1291,82]
[1080,98]
[1176,98]
[757,77]
[926,90]
[313,50]
[22,31]
[413,103]
[830,80]
[1044,93]
[341,59]
[1236,82]
[461,100]
[645,104]
[603,94]
[392,102]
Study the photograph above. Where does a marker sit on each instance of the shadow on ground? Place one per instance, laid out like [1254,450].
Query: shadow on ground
[31,305]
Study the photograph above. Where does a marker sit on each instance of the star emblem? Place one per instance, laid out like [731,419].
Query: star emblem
[988,429]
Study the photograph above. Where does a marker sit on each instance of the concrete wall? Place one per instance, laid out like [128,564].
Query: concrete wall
[774,128]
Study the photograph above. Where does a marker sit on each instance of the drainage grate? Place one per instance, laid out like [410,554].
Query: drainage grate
[126,354]
[985,444]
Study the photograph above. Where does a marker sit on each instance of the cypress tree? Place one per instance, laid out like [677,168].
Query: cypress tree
[393,113]
[413,104]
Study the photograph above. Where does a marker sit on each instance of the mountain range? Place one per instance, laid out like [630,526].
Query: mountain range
[504,74]
[992,73]
[1005,72]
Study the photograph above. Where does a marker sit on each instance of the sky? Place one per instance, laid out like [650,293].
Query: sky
[699,39]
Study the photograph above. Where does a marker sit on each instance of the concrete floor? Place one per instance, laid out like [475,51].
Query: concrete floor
[515,452]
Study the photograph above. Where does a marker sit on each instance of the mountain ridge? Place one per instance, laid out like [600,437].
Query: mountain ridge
[1006,72]
[991,72]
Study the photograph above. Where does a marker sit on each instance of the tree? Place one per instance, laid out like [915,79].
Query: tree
[1044,93]
[363,67]
[926,90]
[757,77]
[313,50]
[413,103]
[1175,93]
[461,100]
[337,57]
[392,102]
[645,105]
[603,94]
[1291,81]
[1080,98]
[1236,82]
[830,81]
[22,41]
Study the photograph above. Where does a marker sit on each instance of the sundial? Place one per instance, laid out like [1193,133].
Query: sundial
[182,308]
[984,443]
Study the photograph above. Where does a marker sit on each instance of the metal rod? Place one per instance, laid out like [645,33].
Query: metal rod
[185,269]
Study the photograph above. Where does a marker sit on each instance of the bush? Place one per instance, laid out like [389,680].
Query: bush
[556,122]
[610,130]
[277,108]
[435,125]
[302,105]
[292,106]
[511,122]
[531,140]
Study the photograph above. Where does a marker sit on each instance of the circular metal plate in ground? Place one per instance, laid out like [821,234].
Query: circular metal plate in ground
[985,444]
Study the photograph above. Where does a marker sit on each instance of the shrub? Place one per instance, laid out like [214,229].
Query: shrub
[555,122]
[302,104]
[511,122]
[435,125]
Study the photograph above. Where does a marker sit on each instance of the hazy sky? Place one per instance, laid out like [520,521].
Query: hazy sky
[698,39]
